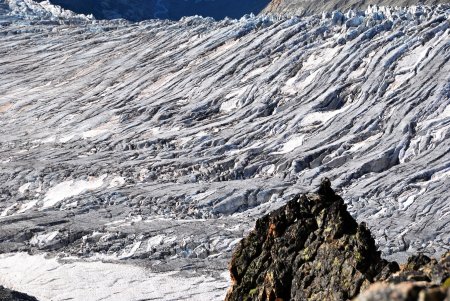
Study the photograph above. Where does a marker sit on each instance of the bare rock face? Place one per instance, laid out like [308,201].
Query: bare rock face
[421,278]
[10,295]
[310,249]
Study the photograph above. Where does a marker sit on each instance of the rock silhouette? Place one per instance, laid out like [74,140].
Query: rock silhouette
[309,249]
[312,249]
[10,295]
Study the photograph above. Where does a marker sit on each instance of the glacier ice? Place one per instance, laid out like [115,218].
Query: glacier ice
[171,138]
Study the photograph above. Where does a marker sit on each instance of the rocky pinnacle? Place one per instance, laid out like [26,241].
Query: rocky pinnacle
[312,249]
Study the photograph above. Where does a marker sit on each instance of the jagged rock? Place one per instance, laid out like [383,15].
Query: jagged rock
[10,295]
[309,249]
[312,249]
[421,279]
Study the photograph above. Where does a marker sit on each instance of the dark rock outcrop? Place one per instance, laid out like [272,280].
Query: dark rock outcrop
[309,249]
[10,295]
[312,249]
[421,279]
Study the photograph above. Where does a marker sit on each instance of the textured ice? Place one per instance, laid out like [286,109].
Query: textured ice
[48,279]
[71,188]
[203,133]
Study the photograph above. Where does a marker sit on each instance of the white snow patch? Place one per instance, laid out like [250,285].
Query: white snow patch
[117,181]
[203,195]
[128,221]
[202,134]
[363,144]
[7,209]
[291,144]
[320,57]
[223,48]
[398,81]
[229,105]
[94,133]
[51,139]
[440,175]
[439,134]
[24,187]
[143,174]
[42,239]
[254,73]
[27,206]
[50,279]
[184,140]
[242,150]
[408,198]
[66,138]
[292,86]
[5,161]
[132,250]
[160,82]
[269,169]
[155,241]
[70,188]
[321,117]
[232,100]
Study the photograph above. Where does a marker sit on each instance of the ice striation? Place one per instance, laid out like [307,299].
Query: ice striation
[161,142]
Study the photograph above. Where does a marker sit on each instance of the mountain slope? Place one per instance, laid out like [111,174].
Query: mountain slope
[307,7]
[138,10]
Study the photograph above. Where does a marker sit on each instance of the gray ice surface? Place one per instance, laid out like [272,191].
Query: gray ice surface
[159,143]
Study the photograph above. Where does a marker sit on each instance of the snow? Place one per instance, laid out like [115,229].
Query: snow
[291,144]
[66,138]
[93,133]
[24,187]
[155,241]
[320,57]
[5,107]
[127,221]
[253,73]
[292,85]
[132,250]
[408,200]
[27,206]
[7,209]
[232,100]
[162,96]
[269,169]
[50,139]
[117,181]
[229,105]
[445,173]
[203,195]
[321,117]
[161,82]
[42,239]
[365,143]
[69,189]
[50,279]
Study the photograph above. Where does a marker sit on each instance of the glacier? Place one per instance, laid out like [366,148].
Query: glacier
[159,143]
